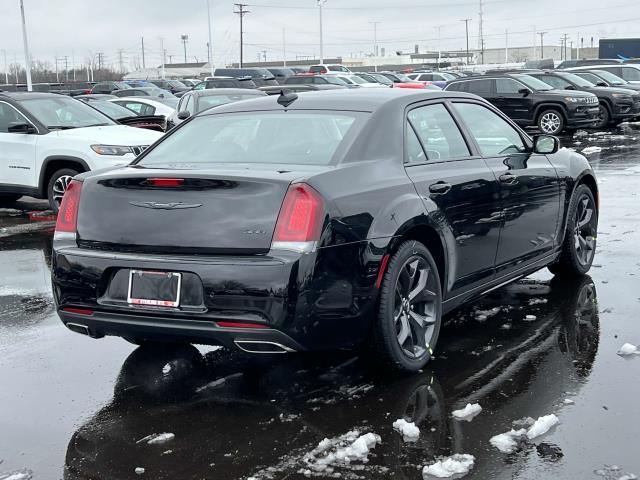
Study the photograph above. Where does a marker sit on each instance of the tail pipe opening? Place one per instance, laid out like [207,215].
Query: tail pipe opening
[261,346]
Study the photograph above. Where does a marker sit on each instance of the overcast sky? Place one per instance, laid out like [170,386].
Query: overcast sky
[81,28]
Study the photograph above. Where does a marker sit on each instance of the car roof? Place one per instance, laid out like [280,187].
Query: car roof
[25,95]
[365,100]
[226,91]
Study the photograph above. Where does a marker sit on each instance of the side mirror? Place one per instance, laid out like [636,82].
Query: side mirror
[21,127]
[601,84]
[161,95]
[545,144]
[183,115]
[524,91]
[569,87]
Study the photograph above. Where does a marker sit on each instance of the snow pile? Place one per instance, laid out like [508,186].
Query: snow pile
[542,426]
[482,315]
[628,349]
[139,470]
[509,441]
[22,474]
[340,451]
[467,413]
[459,464]
[537,301]
[157,438]
[628,476]
[530,318]
[408,430]
[590,150]
[568,401]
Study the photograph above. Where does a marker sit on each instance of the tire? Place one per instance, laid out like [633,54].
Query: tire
[57,186]
[604,117]
[550,122]
[7,198]
[405,332]
[579,244]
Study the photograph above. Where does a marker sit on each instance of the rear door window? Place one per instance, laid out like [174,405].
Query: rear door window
[507,86]
[438,133]
[480,87]
[631,74]
[555,82]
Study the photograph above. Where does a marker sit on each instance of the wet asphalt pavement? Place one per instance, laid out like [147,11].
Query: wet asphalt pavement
[77,408]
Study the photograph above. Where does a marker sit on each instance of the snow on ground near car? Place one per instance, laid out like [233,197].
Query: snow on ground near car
[590,150]
[507,442]
[408,430]
[348,448]
[628,349]
[22,474]
[157,438]
[340,456]
[542,426]
[467,413]
[610,472]
[459,464]
[139,470]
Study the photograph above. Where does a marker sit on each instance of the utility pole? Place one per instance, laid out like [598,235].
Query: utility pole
[565,37]
[73,64]
[542,34]
[6,67]
[241,12]
[480,30]
[375,44]
[27,57]
[184,38]
[320,5]
[284,48]
[57,75]
[143,62]
[506,45]
[210,44]
[466,30]
[571,49]
[120,61]
[163,53]
[66,68]
[439,27]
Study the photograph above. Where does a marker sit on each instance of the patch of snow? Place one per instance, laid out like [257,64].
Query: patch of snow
[459,464]
[467,413]
[166,369]
[628,349]
[343,450]
[157,438]
[139,470]
[215,383]
[542,426]
[507,442]
[408,430]
[568,401]
[536,301]
[482,315]
[530,318]
[590,150]
[22,474]
[288,418]
[628,476]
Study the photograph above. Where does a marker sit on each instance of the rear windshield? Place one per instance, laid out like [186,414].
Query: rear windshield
[209,101]
[297,138]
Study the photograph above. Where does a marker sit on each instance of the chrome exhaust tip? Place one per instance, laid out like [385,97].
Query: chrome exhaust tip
[261,346]
[78,328]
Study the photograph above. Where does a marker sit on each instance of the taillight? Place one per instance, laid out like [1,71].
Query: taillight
[67,220]
[300,220]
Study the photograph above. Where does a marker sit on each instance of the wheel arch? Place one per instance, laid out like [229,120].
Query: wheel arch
[550,106]
[56,162]
[426,234]
[585,178]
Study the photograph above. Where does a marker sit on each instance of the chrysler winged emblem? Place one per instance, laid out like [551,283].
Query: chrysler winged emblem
[165,206]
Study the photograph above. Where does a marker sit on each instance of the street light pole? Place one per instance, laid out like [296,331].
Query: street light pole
[6,68]
[184,37]
[466,29]
[27,58]
[210,45]
[541,44]
[375,44]
[320,4]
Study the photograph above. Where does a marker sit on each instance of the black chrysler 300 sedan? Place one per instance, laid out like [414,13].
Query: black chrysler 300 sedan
[319,221]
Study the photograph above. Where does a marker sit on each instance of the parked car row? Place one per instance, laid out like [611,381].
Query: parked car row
[555,100]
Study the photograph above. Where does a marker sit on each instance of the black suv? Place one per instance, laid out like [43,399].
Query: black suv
[616,104]
[260,76]
[225,82]
[109,87]
[531,102]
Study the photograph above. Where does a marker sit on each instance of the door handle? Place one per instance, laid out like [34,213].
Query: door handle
[507,178]
[440,188]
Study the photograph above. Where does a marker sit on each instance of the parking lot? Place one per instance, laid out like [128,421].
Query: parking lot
[77,408]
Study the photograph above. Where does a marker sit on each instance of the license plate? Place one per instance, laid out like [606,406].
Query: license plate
[152,288]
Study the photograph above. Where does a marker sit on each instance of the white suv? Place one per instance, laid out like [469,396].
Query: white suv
[46,139]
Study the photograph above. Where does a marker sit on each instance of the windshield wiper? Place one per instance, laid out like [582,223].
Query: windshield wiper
[98,124]
[60,127]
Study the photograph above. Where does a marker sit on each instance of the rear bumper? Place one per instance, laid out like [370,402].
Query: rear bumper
[301,301]
[163,329]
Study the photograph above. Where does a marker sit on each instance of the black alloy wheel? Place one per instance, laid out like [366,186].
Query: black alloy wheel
[603,117]
[410,309]
[579,246]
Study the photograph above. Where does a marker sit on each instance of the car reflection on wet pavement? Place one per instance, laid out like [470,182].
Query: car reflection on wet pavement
[77,408]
